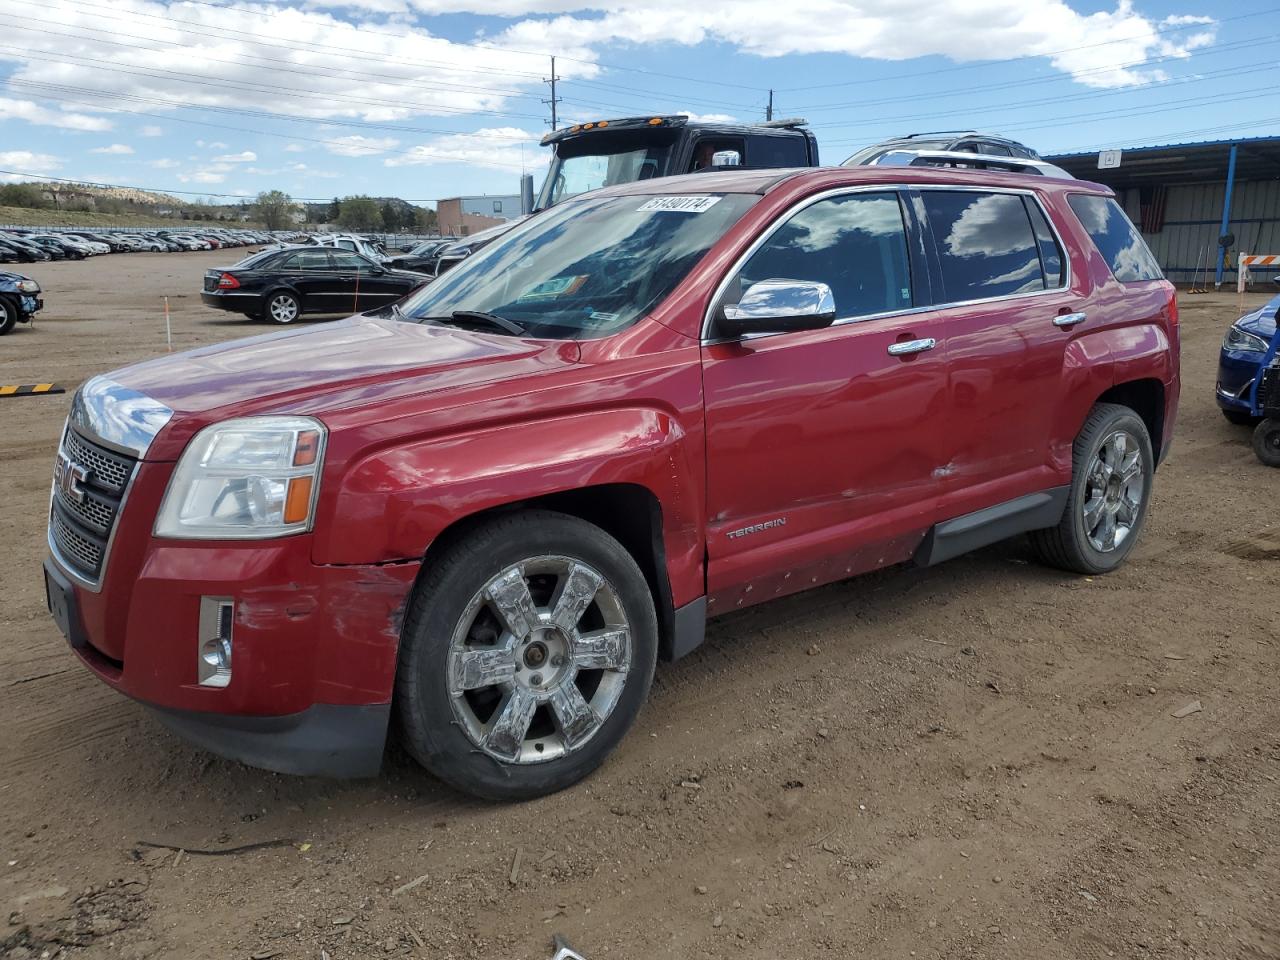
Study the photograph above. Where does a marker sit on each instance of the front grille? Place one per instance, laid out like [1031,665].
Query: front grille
[81,521]
[1269,391]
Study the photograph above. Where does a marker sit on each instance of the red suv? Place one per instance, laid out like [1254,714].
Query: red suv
[487,511]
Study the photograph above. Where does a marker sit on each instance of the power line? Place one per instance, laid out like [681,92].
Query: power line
[1041,101]
[961,91]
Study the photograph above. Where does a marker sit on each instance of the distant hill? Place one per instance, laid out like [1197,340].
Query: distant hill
[81,198]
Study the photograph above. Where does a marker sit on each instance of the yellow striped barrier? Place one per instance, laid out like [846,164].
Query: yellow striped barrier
[29,389]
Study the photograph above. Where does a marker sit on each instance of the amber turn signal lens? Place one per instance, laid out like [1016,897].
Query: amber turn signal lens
[304,454]
[297,503]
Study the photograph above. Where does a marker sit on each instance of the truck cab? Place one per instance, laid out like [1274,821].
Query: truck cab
[605,153]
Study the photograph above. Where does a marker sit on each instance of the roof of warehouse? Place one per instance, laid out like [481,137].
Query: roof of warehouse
[1257,158]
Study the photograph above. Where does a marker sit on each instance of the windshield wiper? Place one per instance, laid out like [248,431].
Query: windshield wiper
[491,320]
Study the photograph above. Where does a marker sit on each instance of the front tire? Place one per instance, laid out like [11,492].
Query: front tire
[282,307]
[8,315]
[1112,470]
[528,650]
[1266,441]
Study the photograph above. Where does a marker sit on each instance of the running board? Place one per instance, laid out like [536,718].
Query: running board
[951,538]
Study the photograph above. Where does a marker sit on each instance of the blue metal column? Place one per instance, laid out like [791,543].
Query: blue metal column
[1226,212]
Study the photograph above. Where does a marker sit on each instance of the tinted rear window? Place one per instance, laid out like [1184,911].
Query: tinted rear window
[1116,238]
[986,247]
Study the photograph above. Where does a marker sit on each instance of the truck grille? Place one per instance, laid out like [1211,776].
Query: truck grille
[86,504]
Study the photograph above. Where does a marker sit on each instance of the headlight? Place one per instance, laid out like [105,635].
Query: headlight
[245,479]
[1243,342]
[28,286]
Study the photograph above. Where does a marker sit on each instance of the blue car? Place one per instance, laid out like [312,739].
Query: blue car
[1242,352]
[19,300]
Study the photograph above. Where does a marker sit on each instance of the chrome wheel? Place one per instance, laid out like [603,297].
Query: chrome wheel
[538,660]
[1114,489]
[283,308]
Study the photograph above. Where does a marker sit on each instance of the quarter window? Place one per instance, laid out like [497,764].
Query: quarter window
[855,244]
[1116,238]
[986,247]
[1050,252]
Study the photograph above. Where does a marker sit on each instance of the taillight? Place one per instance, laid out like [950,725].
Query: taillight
[228,282]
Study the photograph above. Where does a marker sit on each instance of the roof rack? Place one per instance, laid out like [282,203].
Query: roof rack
[934,133]
[789,123]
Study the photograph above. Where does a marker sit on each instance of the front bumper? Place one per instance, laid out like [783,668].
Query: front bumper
[314,646]
[1236,371]
[322,741]
[29,306]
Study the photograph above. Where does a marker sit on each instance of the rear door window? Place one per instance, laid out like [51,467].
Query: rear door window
[1116,238]
[307,260]
[855,244]
[985,245]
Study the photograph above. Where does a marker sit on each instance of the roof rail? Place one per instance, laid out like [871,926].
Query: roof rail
[934,133]
[788,123]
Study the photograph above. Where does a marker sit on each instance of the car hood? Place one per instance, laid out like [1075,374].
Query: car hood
[333,366]
[1261,322]
[7,277]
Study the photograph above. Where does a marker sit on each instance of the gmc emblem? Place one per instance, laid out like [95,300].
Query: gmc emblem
[68,477]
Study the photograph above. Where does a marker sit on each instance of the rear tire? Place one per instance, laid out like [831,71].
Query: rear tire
[1266,441]
[527,652]
[8,315]
[282,307]
[1240,418]
[1112,470]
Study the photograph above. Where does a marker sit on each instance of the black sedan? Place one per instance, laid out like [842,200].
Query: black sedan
[422,258]
[282,285]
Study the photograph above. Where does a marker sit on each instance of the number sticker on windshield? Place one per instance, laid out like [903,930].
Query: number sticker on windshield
[680,204]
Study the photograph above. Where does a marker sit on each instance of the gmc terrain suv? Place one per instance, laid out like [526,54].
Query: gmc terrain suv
[487,511]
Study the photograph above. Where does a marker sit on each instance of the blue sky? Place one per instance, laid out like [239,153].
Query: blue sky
[426,99]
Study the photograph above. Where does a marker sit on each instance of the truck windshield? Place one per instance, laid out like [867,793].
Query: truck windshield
[584,269]
[596,160]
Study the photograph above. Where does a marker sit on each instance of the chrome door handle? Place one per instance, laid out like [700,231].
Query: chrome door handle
[1070,319]
[912,346]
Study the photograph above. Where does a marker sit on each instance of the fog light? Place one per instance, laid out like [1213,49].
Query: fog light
[213,646]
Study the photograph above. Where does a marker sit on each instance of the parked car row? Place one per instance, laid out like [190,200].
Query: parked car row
[32,245]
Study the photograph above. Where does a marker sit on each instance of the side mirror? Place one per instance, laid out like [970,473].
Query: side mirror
[726,158]
[779,306]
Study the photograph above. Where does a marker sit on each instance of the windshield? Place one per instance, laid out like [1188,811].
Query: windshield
[587,268]
[603,160]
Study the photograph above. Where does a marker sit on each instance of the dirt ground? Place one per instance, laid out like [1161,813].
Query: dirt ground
[974,760]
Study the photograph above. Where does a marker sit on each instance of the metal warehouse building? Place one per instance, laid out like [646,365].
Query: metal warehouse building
[1185,196]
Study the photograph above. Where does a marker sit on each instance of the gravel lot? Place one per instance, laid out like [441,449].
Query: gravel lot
[974,760]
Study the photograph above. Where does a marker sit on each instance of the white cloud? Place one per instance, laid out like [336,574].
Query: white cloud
[885,31]
[207,144]
[34,113]
[117,149]
[501,152]
[26,165]
[295,148]
[358,146]
[208,175]
[151,130]
[245,156]
[164,163]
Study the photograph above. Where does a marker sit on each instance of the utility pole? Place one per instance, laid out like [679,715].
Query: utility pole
[554,101]
[768,111]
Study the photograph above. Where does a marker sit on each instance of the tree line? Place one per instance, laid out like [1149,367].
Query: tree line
[359,214]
